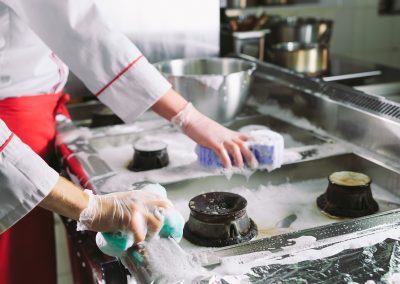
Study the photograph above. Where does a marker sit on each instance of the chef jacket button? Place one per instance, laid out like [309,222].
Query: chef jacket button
[2,42]
[5,80]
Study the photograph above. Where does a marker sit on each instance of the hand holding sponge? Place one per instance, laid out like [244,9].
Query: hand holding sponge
[266,146]
[116,244]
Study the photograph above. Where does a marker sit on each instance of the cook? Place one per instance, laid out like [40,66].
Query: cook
[36,37]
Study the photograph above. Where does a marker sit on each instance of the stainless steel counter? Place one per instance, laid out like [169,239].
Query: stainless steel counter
[312,112]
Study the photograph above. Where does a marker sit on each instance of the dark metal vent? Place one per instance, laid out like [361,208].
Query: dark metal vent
[332,90]
[368,102]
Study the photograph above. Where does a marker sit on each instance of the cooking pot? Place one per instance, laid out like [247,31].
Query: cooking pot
[240,3]
[275,2]
[303,30]
[218,87]
[311,59]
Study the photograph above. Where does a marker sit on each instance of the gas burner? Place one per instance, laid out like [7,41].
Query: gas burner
[348,195]
[219,219]
[149,155]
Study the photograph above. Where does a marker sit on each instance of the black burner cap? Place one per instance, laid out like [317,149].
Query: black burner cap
[348,195]
[149,155]
[219,219]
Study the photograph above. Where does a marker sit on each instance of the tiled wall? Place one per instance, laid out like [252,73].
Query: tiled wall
[359,31]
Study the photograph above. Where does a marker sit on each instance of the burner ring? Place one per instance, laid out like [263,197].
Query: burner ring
[219,219]
[149,155]
[348,195]
[201,241]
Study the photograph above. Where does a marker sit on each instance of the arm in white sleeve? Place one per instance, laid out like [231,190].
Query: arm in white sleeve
[102,57]
[25,179]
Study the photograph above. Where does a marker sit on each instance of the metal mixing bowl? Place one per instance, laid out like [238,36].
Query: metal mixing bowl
[218,87]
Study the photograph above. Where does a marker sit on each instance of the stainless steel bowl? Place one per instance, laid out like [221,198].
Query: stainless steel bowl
[218,87]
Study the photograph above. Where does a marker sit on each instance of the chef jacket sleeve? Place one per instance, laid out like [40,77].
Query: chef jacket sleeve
[25,179]
[107,62]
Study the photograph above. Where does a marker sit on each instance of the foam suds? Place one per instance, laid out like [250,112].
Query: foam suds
[269,204]
[306,248]
[183,160]
[271,108]
[183,267]
[289,140]
[239,269]
[180,151]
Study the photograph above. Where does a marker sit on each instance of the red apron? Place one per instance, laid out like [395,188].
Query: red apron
[27,250]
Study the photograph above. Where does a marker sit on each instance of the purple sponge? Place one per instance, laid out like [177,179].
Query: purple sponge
[266,145]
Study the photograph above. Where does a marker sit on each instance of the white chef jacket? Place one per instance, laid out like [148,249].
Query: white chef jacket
[33,35]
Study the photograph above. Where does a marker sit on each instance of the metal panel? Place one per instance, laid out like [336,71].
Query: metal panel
[367,121]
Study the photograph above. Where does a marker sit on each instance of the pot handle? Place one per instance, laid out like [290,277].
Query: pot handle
[324,32]
[270,54]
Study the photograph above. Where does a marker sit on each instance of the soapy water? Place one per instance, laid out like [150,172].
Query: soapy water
[348,266]
[232,267]
[268,204]
[357,259]
[353,258]
[272,109]
[183,160]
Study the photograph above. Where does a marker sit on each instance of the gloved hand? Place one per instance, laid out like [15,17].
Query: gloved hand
[173,221]
[136,211]
[210,134]
[116,244]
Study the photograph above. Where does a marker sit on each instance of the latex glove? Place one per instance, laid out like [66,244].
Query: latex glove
[210,134]
[173,221]
[116,244]
[138,212]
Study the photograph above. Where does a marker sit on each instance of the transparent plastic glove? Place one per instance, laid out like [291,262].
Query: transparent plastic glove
[137,212]
[208,133]
[173,221]
[116,244]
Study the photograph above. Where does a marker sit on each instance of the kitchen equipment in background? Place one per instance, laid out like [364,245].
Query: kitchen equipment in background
[348,195]
[247,42]
[149,155]
[390,7]
[219,219]
[218,87]
[311,59]
[246,35]
[302,30]
[350,72]
[249,23]
[105,117]
[240,4]
[275,2]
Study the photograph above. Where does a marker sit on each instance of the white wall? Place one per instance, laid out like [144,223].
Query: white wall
[359,31]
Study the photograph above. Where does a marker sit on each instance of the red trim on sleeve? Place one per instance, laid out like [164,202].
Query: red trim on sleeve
[6,142]
[119,75]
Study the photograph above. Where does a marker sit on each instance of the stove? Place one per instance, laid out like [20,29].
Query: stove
[219,219]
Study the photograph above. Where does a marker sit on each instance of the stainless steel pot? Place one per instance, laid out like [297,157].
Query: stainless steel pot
[275,2]
[218,87]
[311,59]
[240,3]
[303,30]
